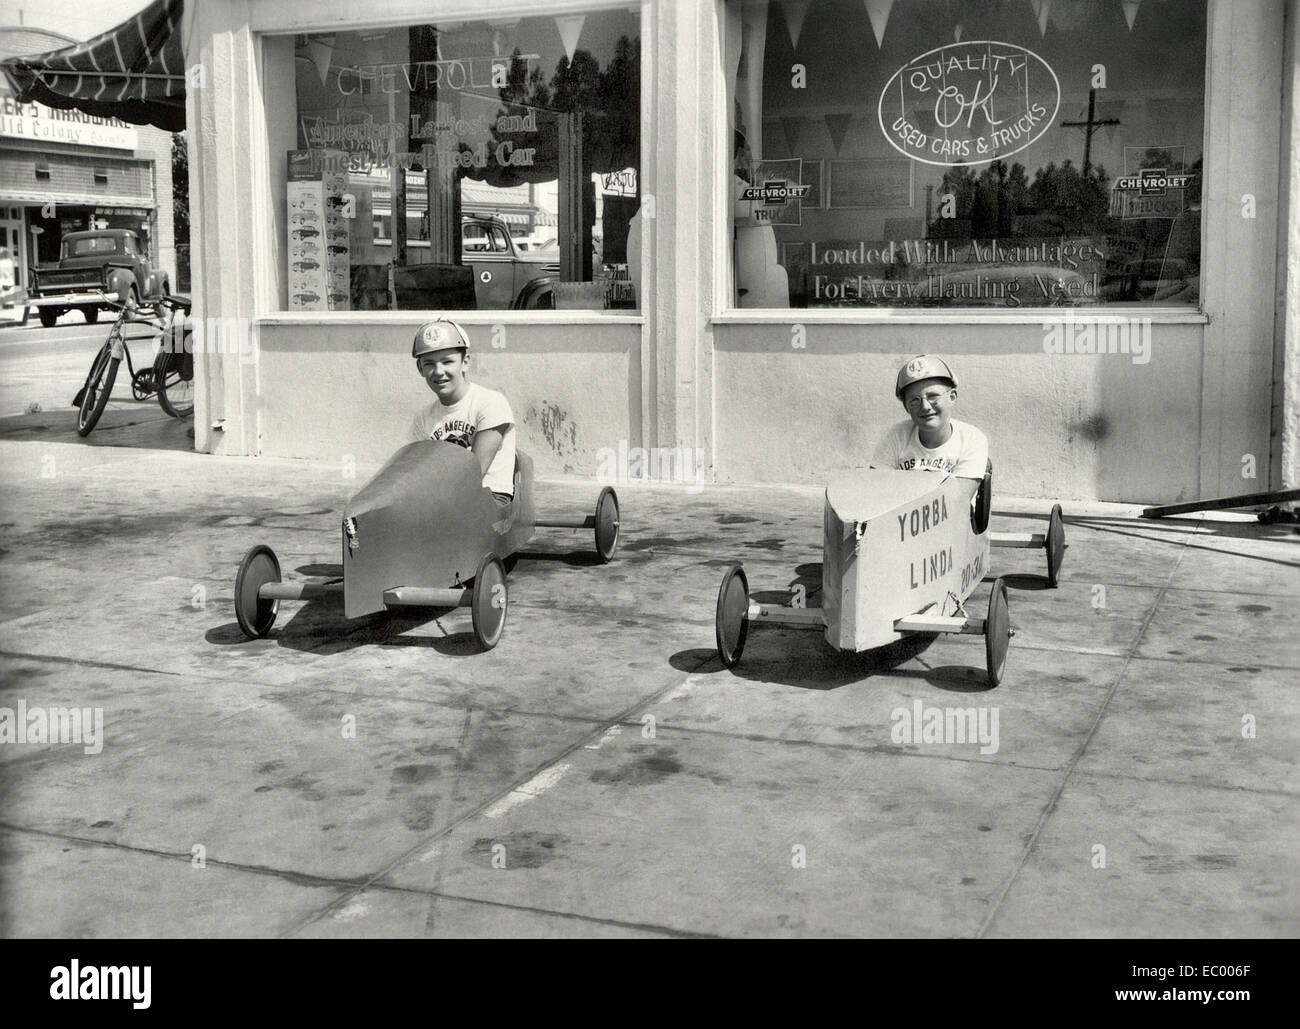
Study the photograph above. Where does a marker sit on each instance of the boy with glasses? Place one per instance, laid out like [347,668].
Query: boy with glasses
[931,440]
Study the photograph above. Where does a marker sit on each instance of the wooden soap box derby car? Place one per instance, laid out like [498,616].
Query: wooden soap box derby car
[424,532]
[902,552]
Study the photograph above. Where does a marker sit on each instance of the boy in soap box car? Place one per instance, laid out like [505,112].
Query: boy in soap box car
[930,439]
[465,413]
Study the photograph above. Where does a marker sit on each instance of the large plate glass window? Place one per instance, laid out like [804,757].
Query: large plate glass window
[965,153]
[474,165]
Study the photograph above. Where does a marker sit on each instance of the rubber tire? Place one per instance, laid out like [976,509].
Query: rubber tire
[1055,545]
[102,375]
[606,520]
[168,374]
[997,633]
[983,508]
[255,615]
[489,615]
[49,316]
[91,313]
[731,620]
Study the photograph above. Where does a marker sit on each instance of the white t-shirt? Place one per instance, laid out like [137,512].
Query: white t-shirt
[965,454]
[479,408]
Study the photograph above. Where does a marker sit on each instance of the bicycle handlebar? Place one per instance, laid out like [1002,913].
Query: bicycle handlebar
[172,300]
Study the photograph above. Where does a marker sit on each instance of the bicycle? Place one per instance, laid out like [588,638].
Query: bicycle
[171,376]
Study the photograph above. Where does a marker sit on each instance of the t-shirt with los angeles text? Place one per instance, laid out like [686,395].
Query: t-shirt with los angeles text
[480,408]
[965,454]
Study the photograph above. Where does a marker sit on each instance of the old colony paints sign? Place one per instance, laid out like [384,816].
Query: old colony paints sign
[969,103]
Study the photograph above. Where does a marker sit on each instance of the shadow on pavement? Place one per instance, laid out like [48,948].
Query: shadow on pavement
[124,423]
[319,627]
[804,660]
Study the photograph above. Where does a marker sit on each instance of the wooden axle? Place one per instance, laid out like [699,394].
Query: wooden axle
[1022,540]
[923,622]
[298,590]
[568,523]
[421,596]
[400,596]
[811,618]
[794,617]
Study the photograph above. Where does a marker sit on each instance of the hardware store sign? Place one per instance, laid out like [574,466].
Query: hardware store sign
[42,124]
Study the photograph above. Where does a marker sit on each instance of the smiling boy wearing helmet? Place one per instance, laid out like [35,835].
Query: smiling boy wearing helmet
[465,413]
[931,439]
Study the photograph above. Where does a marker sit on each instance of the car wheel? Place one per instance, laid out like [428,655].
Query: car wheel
[49,315]
[91,313]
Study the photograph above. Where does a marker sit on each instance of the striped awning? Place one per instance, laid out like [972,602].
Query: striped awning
[135,72]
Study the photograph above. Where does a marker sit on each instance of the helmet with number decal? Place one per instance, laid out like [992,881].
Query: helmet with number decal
[440,334]
[923,367]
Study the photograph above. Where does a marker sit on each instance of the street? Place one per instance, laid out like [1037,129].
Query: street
[42,369]
[599,773]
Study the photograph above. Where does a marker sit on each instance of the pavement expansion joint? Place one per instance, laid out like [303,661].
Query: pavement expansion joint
[84,662]
[623,717]
[1067,772]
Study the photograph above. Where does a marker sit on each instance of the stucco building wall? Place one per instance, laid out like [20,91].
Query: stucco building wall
[689,373]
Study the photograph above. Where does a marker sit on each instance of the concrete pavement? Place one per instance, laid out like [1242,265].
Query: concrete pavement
[599,773]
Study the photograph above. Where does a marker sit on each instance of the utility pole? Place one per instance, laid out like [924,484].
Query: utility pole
[1089,127]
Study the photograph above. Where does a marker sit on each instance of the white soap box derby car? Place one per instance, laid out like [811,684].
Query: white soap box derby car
[424,532]
[902,552]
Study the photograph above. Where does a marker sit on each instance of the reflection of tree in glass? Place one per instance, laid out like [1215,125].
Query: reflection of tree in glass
[1002,204]
[609,101]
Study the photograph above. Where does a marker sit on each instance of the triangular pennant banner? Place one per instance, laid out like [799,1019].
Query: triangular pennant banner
[570,28]
[956,32]
[1108,110]
[878,12]
[1131,12]
[838,125]
[321,53]
[1042,8]
[795,12]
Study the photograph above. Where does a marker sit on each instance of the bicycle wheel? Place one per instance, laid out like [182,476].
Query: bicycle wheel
[173,378]
[99,387]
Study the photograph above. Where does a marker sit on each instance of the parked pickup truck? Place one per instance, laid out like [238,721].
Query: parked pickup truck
[504,276]
[95,266]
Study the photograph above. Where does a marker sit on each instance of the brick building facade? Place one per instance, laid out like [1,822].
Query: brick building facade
[63,171]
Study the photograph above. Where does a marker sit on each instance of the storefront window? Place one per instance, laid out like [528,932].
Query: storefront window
[466,166]
[957,153]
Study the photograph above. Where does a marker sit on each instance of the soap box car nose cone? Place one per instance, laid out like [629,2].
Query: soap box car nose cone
[428,506]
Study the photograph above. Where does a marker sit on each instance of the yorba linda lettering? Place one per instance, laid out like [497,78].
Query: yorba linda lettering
[921,520]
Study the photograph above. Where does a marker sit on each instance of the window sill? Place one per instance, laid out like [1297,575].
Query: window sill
[412,318]
[955,316]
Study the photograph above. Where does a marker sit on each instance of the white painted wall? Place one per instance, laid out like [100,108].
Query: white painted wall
[688,374]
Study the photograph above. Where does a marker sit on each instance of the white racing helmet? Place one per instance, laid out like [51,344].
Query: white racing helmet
[440,334]
[923,367]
